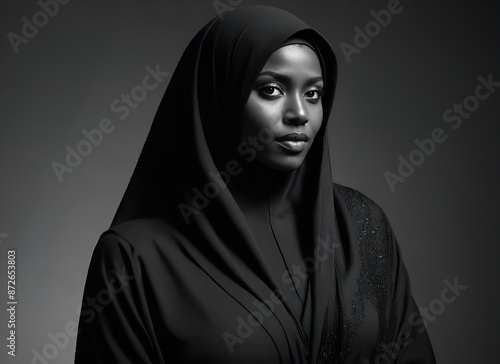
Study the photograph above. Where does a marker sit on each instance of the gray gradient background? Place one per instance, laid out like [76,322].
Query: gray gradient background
[428,58]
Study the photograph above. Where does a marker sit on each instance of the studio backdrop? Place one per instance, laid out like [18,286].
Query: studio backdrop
[414,126]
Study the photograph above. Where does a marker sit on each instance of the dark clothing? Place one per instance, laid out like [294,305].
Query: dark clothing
[167,308]
[251,265]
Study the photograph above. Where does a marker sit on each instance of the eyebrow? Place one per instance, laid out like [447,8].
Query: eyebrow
[284,78]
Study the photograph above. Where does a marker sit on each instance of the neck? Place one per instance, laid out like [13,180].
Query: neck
[259,185]
[258,180]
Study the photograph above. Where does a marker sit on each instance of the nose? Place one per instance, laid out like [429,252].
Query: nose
[295,110]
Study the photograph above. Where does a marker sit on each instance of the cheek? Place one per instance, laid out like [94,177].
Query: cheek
[316,120]
[258,114]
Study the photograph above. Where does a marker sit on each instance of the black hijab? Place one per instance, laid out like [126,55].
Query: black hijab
[195,133]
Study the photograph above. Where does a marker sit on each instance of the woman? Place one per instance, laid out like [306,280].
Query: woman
[231,244]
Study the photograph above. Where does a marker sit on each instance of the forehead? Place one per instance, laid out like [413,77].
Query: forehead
[294,58]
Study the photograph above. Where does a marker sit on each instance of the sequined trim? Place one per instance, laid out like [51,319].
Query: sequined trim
[375,260]
[333,350]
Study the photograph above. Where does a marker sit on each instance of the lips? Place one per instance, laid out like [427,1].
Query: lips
[294,142]
[293,137]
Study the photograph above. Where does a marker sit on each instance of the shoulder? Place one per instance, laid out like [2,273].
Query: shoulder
[135,237]
[355,205]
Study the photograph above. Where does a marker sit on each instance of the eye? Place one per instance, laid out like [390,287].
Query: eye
[270,91]
[314,95]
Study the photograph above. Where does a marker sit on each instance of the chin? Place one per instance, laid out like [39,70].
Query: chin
[284,164]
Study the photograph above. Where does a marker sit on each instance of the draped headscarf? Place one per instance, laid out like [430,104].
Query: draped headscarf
[195,135]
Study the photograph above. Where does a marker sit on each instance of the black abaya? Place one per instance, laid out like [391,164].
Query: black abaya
[253,265]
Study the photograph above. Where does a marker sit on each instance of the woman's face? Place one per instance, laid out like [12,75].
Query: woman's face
[285,98]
